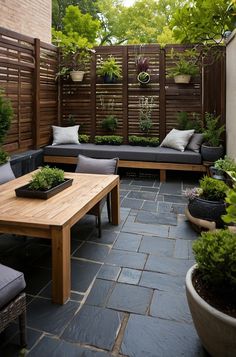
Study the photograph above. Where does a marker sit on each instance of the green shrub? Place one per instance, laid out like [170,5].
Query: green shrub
[3,156]
[212,189]
[109,68]
[143,141]
[226,164]
[230,216]
[187,123]
[6,114]
[46,178]
[108,139]
[83,138]
[215,254]
[145,114]
[212,132]
[110,123]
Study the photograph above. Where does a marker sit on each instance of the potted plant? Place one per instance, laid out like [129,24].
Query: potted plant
[145,114]
[185,67]
[75,57]
[207,202]
[221,167]
[211,149]
[110,123]
[211,291]
[45,183]
[110,70]
[142,64]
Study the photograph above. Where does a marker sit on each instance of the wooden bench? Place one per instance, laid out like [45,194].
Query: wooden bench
[129,157]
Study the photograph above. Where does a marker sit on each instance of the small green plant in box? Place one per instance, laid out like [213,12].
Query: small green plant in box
[143,141]
[108,139]
[46,178]
[110,123]
[84,138]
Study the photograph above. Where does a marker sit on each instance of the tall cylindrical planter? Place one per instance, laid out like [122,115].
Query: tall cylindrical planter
[216,330]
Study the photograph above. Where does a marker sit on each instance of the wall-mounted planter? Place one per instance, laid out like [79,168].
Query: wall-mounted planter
[182,78]
[143,78]
[77,76]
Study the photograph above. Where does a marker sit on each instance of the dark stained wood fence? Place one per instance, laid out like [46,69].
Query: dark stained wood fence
[27,73]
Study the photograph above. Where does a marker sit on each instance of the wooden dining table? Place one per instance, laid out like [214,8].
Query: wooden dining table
[54,217]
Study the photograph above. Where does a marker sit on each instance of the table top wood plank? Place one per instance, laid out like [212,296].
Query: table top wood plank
[70,204]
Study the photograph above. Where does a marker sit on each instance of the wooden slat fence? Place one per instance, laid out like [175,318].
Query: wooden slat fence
[27,73]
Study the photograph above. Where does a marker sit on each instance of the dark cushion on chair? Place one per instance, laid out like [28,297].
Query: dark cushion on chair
[89,165]
[6,173]
[12,282]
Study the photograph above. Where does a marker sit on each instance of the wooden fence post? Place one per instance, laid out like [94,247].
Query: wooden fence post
[36,87]
[125,93]
[162,95]
[93,96]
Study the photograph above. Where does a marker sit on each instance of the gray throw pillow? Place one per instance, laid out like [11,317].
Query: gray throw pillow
[195,142]
[89,165]
[177,139]
[65,135]
[6,173]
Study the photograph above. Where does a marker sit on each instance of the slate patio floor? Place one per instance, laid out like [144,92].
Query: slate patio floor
[128,294]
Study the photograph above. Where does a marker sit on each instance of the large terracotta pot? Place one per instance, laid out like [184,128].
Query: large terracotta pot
[216,330]
[207,210]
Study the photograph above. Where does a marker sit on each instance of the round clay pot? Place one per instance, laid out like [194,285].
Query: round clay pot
[215,329]
[211,153]
[182,78]
[207,210]
[77,76]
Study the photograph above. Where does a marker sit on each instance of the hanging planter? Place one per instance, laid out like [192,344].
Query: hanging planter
[144,78]
[77,76]
[182,78]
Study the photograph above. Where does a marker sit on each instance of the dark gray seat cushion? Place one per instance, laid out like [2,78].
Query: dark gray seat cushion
[12,282]
[125,152]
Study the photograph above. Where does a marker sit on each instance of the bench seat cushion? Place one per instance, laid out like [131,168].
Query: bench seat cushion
[125,152]
[12,282]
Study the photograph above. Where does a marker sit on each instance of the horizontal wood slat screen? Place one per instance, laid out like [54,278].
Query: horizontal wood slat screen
[28,69]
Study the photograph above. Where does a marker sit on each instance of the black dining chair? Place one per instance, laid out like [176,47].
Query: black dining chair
[90,165]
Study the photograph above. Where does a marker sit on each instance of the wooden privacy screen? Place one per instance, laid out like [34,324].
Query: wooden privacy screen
[27,73]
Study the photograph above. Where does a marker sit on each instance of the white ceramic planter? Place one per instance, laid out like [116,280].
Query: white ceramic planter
[182,78]
[77,76]
[216,330]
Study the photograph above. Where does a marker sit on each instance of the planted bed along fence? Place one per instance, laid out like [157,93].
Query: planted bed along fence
[27,73]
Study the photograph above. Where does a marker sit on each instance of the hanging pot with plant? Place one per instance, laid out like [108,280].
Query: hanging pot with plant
[142,64]
[184,66]
[143,78]
[110,70]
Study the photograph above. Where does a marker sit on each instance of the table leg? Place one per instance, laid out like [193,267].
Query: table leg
[115,205]
[61,274]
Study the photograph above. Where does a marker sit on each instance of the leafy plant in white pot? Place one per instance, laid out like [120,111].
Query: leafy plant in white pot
[211,291]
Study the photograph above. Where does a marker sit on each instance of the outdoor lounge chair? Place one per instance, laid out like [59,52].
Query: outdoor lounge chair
[89,165]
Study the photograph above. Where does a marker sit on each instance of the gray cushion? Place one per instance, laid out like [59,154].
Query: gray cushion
[12,282]
[125,152]
[96,166]
[177,139]
[65,135]
[6,173]
[195,142]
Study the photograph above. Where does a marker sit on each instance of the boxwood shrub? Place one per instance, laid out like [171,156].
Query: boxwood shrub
[108,139]
[84,139]
[143,141]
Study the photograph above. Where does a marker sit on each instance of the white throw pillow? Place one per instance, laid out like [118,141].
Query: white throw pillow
[177,139]
[65,135]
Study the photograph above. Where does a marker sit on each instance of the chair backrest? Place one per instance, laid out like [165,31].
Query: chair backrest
[6,173]
[88,165]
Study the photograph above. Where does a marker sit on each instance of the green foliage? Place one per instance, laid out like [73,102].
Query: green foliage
[212,189]
[186,123]
[198,21]
[142,64]
[230,216]
[6,114]
[84,139]
[226,164]
[108,139]
[110,123]
[145,114]
[185,63]
[143,77]
[4,157]
[46,178]
[215,254]
[109,68]
[143,141]
[212,132]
